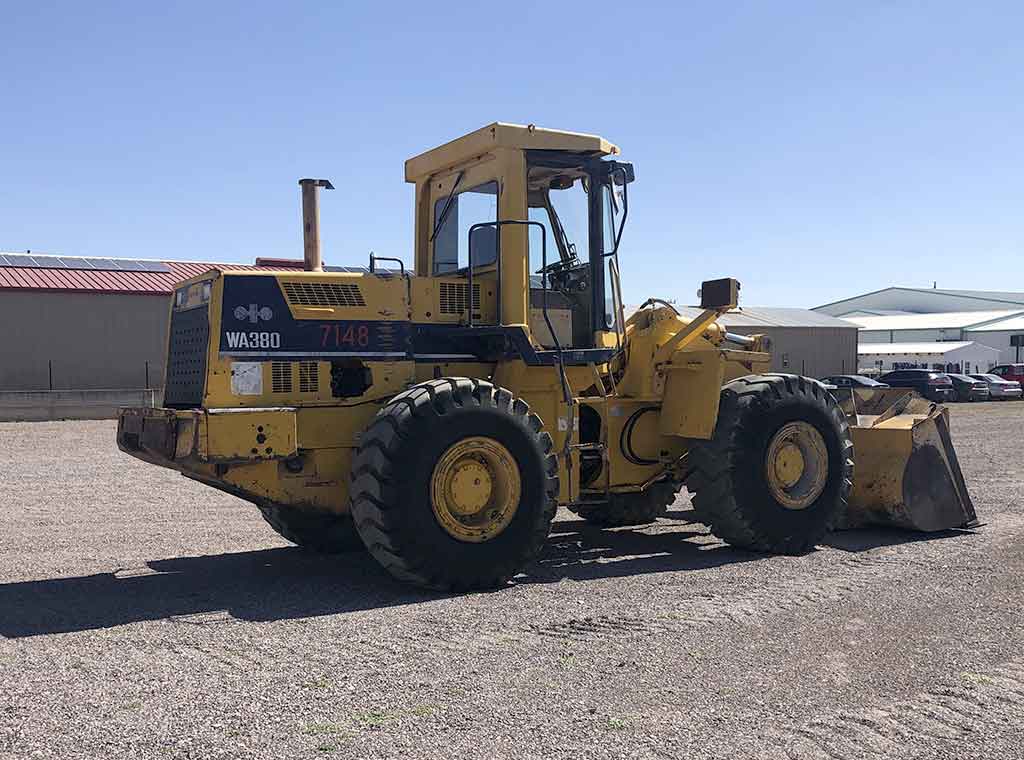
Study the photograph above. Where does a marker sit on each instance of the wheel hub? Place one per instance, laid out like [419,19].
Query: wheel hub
[470,487]
[789,464]
[475,489]
[796,465]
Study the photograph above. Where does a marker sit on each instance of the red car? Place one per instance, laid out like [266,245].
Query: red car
[1013,372]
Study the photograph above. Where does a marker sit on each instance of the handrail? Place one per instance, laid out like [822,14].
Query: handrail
[544,287]
[375,259]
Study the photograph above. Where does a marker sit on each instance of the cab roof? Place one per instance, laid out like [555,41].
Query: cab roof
[501,135]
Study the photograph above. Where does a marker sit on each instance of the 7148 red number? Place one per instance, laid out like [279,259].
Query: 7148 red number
[344,336]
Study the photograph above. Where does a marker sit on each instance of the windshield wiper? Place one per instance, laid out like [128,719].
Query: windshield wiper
[569,247]
[447,206]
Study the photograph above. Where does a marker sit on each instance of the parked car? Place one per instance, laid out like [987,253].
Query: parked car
[998,388]
[933,385]
[852,381]
[966,388]
[1012,372]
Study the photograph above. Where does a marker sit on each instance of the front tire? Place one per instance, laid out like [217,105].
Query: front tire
[777,473]
[454,485]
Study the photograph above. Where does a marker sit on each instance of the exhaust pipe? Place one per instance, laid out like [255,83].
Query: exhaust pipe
[311,222]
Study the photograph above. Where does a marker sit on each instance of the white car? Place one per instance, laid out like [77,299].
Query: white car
[998,388]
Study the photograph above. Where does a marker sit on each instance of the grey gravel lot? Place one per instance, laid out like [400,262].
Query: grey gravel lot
[146,616]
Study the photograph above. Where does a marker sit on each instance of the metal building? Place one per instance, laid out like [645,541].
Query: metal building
[921,315]
[900,300]
[949,356]
[804,342]
[86,323]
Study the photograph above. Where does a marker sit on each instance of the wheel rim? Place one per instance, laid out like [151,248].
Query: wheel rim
[796,465]
[475,489]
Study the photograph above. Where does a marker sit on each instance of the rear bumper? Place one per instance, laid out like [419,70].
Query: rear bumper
[152,433]
[188,439]
[934,393]
[1005,393]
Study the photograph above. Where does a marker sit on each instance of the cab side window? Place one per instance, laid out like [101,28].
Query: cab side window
[452,222]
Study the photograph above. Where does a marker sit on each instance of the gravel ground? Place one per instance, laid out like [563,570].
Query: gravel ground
[146,616]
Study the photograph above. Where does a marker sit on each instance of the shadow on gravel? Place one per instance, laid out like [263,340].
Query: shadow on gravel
[264,585]
[289,583]
[862,539]
[580,551]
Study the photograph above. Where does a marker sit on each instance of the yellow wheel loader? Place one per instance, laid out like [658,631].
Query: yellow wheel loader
[440,417]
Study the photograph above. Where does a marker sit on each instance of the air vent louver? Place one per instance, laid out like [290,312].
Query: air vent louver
[281,377]
[454,297]
[323,294]
[309,379]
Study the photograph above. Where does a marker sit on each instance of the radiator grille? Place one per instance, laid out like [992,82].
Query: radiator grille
[186,358]
[323,294]
[454,297]
[309,380]
[281,377]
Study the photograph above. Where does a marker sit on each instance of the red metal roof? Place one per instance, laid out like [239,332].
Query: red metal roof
[96,281]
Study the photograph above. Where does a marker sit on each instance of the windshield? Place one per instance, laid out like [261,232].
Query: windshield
[558,200]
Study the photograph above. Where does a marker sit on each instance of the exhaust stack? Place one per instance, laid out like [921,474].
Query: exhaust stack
[311,222]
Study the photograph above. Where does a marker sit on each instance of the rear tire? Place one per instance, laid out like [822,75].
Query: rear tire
[625,509]
[399,478]
[733,489]
[324,532]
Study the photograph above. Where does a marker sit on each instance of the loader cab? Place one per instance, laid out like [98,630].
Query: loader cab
[533,216]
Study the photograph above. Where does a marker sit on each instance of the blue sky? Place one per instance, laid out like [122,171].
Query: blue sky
[812,150]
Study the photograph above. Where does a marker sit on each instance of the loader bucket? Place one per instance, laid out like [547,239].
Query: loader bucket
[906,473]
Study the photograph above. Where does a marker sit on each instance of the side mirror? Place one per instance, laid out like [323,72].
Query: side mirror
[621,172]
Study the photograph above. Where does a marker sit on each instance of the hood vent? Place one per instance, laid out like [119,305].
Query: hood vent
[323,294]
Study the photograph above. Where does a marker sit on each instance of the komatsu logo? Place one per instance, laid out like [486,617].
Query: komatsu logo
[254,313]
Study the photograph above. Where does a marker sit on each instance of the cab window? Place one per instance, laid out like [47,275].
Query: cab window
[452,222]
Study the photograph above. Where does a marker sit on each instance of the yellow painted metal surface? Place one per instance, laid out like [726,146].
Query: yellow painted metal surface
[231,435]
[500,135]
[906,471]
[216,448]
[643,439]
[692,388]
[475,489]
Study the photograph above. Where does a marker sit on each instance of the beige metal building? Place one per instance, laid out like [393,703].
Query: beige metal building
[804,342]
[74,323]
